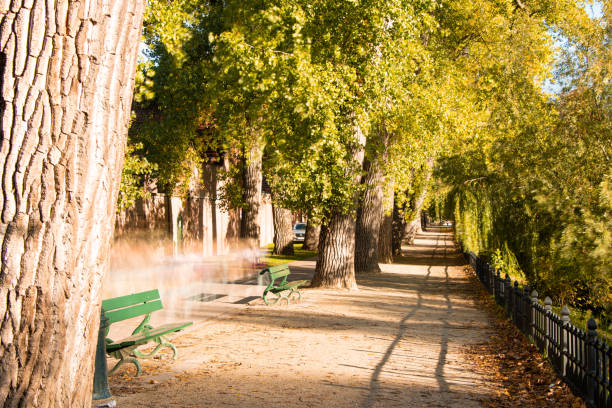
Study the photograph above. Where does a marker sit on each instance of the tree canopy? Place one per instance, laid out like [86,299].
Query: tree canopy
[310,84]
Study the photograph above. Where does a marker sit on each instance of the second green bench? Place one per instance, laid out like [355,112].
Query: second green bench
[126,307]
[277,272]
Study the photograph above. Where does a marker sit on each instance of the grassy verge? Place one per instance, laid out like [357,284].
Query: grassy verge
[272,260]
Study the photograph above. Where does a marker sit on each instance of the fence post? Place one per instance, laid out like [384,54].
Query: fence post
[565,320]
[498,283]
[548,308]
[534,299]
[507,296]
[515,303]
[525,306]
[591,366]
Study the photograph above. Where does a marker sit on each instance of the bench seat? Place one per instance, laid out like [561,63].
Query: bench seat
[145,336]
[288,286]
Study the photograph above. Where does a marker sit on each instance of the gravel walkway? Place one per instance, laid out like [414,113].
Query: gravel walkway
[396,342]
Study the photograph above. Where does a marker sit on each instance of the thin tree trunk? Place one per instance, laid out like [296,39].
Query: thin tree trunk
[385,248]
[398,226]
[412,228]
[251,190]
[232,234]
[311,236]
[414,225]
[336,257]
[370,212]
[66,77]
[283,231]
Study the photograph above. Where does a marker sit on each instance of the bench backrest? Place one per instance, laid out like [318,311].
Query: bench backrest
[276,272]
[136,304]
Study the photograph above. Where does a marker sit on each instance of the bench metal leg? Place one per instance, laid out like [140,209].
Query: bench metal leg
[100,385]
[161,342]
[293,293]
[273,301]
[125,356]
[126,360]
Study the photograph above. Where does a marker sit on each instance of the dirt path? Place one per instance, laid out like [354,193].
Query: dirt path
[396,342]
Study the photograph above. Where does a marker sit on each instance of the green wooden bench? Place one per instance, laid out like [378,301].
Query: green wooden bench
[277,272]
[126,307]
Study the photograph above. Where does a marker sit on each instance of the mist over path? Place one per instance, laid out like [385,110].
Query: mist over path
[397,341]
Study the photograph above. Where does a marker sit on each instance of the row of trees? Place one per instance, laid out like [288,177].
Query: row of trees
[536,198]
[332,101]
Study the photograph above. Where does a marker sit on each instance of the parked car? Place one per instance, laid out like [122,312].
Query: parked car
[299,231]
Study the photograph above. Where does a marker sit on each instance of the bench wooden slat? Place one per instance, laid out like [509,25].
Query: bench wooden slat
[129,300]
[289,285]
[146,335]
[278,268]
[129,312]
[278,271]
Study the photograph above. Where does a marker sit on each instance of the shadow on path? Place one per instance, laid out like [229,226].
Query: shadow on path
[408,258]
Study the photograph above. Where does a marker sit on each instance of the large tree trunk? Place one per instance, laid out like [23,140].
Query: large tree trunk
[311,236]
[335,266]
[370,212]
[385,248]
[66,76]
[251,190]
[335,262]
[369,217]
[283,231]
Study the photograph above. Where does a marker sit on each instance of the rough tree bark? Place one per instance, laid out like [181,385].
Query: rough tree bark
[251,190]
[283,231]
[335,262]
[370,212]
[369,217]
[335,266]
[232,234]
[385,249]
[311,236]
[67,75]
[398,228]
[414,225]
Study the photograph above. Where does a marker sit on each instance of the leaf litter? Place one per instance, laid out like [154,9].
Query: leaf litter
[525,376]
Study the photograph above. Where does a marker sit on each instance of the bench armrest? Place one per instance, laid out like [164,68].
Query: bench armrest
[143,325]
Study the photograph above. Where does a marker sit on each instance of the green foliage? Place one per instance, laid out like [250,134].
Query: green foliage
[136,169]
[505,260]
[525,176]
[535,182]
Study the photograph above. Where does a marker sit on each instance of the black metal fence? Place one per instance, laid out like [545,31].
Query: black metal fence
[582,359]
